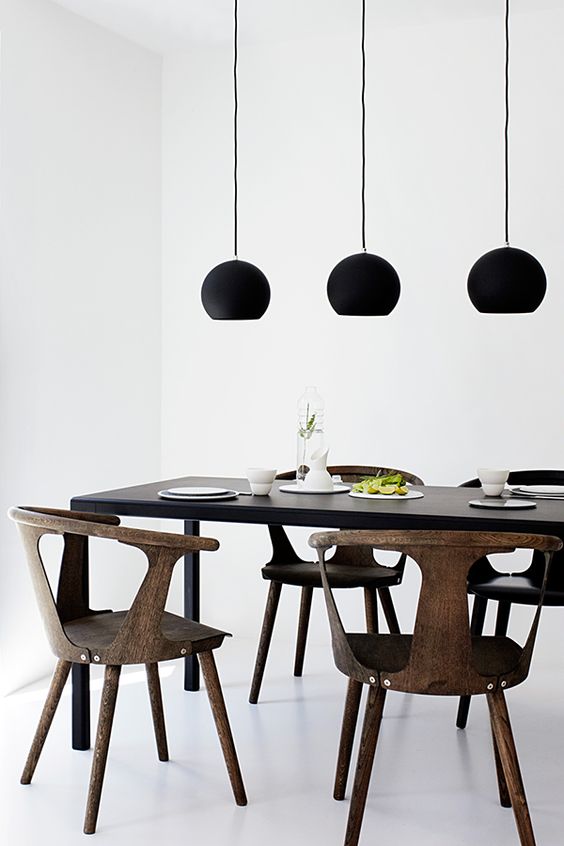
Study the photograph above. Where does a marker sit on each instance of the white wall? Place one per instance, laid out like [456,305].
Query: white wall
[436,387]
[80,295]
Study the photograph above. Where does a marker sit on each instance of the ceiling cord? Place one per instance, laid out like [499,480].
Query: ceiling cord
[506,132]
[363,128]
[235,115]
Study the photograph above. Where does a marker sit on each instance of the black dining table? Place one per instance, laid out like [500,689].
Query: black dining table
[440,508]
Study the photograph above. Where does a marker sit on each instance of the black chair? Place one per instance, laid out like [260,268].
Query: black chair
[522,588]
[440,658]
[286,567]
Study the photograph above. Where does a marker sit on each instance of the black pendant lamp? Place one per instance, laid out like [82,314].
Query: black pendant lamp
[363,284]
[235,290]
[506,280]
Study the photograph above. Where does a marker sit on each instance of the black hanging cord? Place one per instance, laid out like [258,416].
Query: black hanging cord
[235,112]
[506,133]
[363,129]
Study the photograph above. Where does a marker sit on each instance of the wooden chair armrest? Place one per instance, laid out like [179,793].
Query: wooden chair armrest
[61,523]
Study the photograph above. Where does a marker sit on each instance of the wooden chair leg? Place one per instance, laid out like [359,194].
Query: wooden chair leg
[371,609]
[217,703]
[479,609]
[389,610]
[155,695]
[504,798]
[501,728]
[370,729]
[105,721]
[350,717]
[60,676]
[265,638]
[305,608]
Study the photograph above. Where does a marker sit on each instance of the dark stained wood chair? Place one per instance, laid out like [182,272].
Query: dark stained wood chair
[287,568]
[146,633]
[440,658]
[522,588]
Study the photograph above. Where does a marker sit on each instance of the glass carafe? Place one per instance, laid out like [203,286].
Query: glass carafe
[311,422]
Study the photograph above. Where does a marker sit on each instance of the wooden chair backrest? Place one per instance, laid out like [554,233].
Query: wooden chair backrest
[440,660]
[143,619]
[351,473]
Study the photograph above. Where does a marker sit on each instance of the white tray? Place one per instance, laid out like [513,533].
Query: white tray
[295,489]
[382,497]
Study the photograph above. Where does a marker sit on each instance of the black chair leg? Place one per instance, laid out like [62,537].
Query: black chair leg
[265,638]
[305,609]
[476,628]
[371,610]
[502,619]
[389,610]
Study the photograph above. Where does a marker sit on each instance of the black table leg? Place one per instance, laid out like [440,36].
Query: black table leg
[80,706]
[192,602]
[81,678]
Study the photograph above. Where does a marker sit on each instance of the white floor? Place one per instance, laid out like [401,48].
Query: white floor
[431,783]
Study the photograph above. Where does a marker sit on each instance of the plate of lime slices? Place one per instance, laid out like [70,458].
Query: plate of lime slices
[391,486]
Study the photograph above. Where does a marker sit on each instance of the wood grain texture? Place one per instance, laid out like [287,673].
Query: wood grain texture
[264,641]
[217,703]
[58,681]
[501,728]
[157,711]
[100,757]
[303,624]
[348,728]
[367,749]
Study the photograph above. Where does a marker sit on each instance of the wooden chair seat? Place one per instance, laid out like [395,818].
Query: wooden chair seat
[491,656]
[97,633]
[306,574]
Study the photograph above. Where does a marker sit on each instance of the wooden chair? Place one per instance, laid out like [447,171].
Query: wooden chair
[523,588]
[286,567]
[144,634]
[441,657]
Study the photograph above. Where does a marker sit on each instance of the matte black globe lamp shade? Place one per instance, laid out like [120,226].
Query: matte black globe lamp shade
[507,281]
[363,285]
[235,290]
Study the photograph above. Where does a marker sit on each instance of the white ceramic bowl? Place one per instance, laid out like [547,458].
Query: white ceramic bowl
[260,480]
[493,481]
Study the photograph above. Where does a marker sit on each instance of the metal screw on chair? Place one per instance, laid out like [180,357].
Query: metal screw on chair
[183,652]
[96,657]
[490,686]
[387,682]
[83,657]
[371,679]
[504,683]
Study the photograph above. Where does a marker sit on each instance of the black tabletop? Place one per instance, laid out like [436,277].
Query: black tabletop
[440,508]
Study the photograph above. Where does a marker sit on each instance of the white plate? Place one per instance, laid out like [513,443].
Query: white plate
[541,490]
[197,491]
[500,502]
[301,490]
[199,497]
[381,497]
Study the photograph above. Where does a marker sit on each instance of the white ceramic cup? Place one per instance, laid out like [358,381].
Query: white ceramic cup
[493,481]
[260,480]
